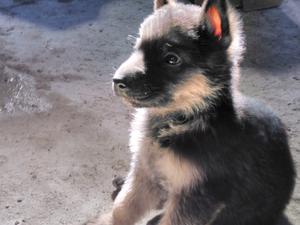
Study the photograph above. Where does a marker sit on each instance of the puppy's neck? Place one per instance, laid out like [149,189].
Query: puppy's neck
[162,126]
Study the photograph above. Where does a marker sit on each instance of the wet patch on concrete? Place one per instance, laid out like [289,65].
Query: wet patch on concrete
[43,81]
[23,89]
[18,93]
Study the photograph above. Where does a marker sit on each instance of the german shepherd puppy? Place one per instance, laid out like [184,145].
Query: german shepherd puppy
[201,151]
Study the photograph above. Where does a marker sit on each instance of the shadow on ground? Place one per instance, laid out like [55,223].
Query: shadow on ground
[54,14]
[272,48]
[269,47]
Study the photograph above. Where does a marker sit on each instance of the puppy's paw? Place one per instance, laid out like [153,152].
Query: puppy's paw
[105,219]
[117,183]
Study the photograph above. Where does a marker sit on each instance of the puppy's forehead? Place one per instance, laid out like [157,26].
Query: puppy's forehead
[184,17]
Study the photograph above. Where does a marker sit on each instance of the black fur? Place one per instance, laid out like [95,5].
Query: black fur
[155,220]
[155,87]
[225,37]
[118,183]
[247,166]
[245,158]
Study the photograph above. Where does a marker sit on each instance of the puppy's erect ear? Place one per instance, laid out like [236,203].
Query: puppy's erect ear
[216,20]
[160,3]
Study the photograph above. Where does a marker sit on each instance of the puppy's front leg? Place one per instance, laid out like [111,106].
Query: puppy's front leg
[191,209]
[137,196]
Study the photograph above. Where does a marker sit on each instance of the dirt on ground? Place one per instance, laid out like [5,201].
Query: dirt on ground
[64,136]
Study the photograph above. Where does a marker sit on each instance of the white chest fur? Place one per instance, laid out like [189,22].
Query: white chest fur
[160,164]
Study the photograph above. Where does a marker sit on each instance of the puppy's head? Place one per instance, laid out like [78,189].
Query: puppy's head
[183,57]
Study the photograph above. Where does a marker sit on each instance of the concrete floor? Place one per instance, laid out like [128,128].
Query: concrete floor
[64,135]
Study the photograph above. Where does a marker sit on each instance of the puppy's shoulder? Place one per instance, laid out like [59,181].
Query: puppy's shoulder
[256,114]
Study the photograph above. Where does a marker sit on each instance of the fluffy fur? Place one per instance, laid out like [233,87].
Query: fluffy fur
[201,151]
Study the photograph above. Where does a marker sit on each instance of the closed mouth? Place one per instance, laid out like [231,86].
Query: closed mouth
[139,100]
[142,97]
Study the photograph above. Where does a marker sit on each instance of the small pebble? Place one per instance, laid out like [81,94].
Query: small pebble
[296,78]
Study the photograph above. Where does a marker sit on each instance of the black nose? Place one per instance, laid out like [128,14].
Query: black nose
[120,84]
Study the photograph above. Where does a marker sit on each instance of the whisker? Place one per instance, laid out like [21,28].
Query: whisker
[131,39]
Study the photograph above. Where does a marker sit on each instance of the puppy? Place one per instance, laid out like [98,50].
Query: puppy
[201,151]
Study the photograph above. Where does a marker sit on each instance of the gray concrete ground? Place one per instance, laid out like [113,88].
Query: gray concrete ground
[64,135]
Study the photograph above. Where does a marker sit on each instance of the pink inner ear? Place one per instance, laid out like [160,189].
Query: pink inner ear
[215,20]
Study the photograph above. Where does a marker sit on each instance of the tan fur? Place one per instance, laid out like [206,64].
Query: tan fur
[169,210]
[185,17]
[154,173]
[173,130]
[189,96]
[157,172]
[191,92]
[173,172]
[179,173]
[138,195]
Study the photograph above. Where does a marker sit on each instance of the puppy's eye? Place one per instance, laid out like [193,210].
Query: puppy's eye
[172,59]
